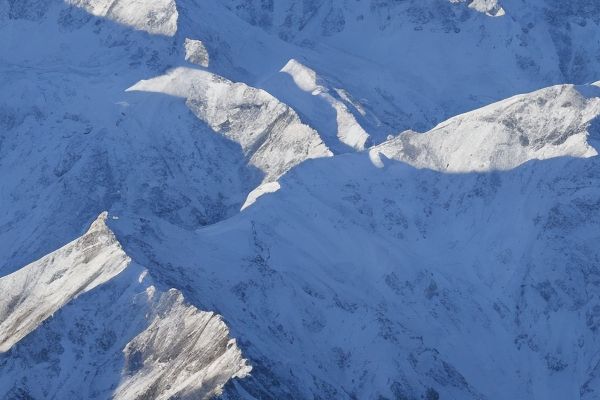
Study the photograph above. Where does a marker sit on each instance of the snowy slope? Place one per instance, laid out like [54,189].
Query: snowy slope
[40,289]
[403,282]
[415,63]
[85,322]
[552,122]
[269,132]
[68,119]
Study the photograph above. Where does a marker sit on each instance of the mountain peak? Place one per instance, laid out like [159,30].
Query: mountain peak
[56,279]
[87,298]
[99,223]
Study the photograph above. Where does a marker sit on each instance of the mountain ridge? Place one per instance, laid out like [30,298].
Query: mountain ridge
[194,363]
[260,160]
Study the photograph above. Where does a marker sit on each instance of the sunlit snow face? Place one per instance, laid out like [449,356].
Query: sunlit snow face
[156,17]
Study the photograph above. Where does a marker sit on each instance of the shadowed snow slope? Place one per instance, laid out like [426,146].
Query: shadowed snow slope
[97,305]
[549,123]
[405,283]
[414,63]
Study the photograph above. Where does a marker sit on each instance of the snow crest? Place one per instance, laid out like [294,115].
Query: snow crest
[552,122]
[347,131]
[270,133]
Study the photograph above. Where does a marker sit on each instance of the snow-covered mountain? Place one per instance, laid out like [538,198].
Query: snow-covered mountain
[435,58]
[269,132]
[276,226]
[90,324]
[552,122]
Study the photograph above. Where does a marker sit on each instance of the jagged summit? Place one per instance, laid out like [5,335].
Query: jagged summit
[99,224]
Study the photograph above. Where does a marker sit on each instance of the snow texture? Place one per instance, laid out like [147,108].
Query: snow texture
[269,132]
[157,17]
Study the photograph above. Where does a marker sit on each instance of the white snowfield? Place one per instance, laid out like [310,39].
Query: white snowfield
[85,303]
[548,123]
[260,161]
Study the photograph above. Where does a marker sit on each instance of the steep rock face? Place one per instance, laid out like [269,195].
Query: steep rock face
[86,322]
[196,53]
[269,132]
[552,122]
[183,353]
